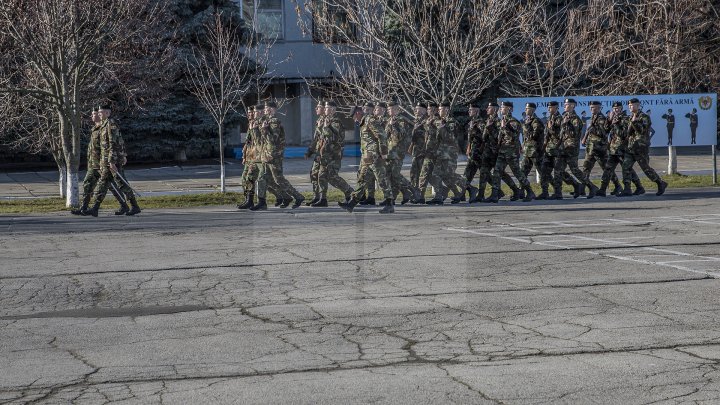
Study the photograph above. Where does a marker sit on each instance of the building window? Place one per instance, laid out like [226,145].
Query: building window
[266,15]
[330,23]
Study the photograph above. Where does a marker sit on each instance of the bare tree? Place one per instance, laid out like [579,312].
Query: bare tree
[433,50]
[223,68]
[66,54]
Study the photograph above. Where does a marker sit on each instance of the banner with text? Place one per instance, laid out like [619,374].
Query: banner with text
[677,119]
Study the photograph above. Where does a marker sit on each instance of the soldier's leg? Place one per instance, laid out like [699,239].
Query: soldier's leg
[314,176]
[379,169]
[127,191]
[415,168]
[558,171]
[471,170]
[522,179]
[284,185]
[91,178]
[591,157]
[627,164]
[336,180]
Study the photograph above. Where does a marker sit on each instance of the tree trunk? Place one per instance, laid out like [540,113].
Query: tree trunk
[222,159]
[72,198]
[62,180]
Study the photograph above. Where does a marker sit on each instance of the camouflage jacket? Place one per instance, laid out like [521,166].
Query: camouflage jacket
[475,130]
[617,126]
[332,139]
[597,130]
[313,147]
[509,137]
[491,135]
[431,139]
[272,135]
[570,130]
[533,134]
[94,151]
[250,154]
[553,139]
[638,130]
[399,133]
[418,137]
[373,135]
[446,130]
[112,145]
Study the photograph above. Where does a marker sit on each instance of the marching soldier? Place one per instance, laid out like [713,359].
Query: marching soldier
[490,140]
[92,176]
[508,154]
[596,142]
[417,145]
[374,158]
[399,133]
[570,129]
[330,151]
[617,124]
[474,148]
[272,135]
[363,119]
[638,134]
[312,150]
[445,157]
[533,143]
[112,160]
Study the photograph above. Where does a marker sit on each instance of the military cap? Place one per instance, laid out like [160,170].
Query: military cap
[570,101]
[382,104]
[473,105]
[369,104]
[393,103]
[553,104]
[330,104]
[95,109]
[595,103]
[617,104]
[493,104]
[445,103]
[421,104]
[633,101]
[271,104]
[432,104]
[507,104]
[531,105]
[105,106]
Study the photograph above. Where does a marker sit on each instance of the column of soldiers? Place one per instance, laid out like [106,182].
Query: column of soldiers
[106,159]
[494,145]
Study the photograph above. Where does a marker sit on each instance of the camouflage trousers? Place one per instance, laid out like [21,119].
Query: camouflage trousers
[398,183]
[440,173]
[568,158]
[530,160]
[92,177]
[546,173]
[369,179]
[249,177]
[471,169]
[597,152]
[272,174]
[489,161]
[314,175]
[110,180]
[328,174]
[612,162]
[415,169]
[508,157]
[639,154]
[374,171]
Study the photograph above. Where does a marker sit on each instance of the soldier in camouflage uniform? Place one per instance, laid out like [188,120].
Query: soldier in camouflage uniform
[552,151]
[488,159]
[272,136]
[475,127]
[399,133]
[638,133]
[312,150]
[374,158]
[417,145]
[363,119]
[441,156]
[251,163]
[112,160]
[330,151]
[617,124]
[508,154]
[596,142]
[533,142]
[93,172]
[570,129]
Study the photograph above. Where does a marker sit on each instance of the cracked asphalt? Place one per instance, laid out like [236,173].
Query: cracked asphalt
[578,301]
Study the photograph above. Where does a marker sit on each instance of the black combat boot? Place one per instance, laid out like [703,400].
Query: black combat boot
[389,207]
[83,207]
[322,202]
[662,185]
[639,189]
[369,201]
[315,199]
[517,194]
[480,194]
[602,191]
[627,191]
[280,201]
[582,190]
[285,202]
[124,209]
[260,206]
[576,190]
[618,190]
[249,201]
[557,194]
[494,196]
[473,194]
[592,191]
[529,194]
[94,210]
[350,205]
[437,200]
[544,195]
[134,207]
[298,201]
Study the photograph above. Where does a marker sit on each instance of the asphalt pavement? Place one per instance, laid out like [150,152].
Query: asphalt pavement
[609,300]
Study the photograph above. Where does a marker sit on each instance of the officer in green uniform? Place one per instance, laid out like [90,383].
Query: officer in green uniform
[330,151]
[638,135]
[595,141]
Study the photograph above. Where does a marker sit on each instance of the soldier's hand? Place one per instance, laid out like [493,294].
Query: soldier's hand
[113,168]
[124,161]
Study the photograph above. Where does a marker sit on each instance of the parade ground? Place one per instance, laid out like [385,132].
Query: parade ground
[609,300]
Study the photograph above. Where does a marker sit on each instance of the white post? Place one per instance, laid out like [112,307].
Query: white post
[537,176]
[672,160]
